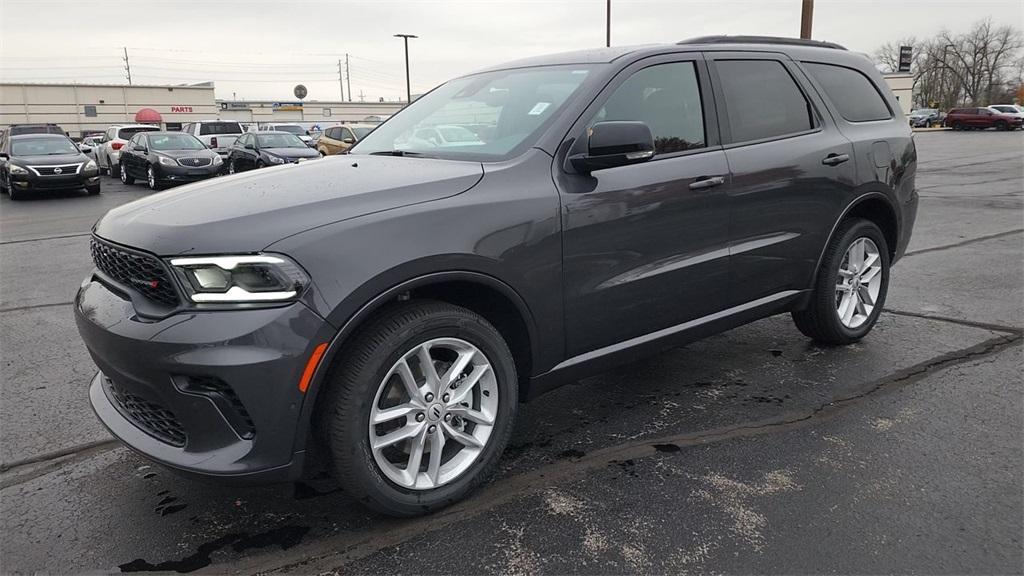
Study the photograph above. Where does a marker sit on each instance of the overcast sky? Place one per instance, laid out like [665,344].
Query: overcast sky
[260,49]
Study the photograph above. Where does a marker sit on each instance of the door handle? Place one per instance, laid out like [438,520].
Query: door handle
[835,159]
[706,182]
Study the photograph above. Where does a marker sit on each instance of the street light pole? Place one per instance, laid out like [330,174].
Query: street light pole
[408,87]
[608,25]
[806,19]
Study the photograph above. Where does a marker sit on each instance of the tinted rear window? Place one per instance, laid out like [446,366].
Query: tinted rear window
[219,128]
[127,133]
[763,100]
[38,129]
[854,96]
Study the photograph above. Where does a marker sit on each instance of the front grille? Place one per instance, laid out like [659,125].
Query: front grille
[194,162]
[227,402]
[62,170]
[150,417]
[144,273]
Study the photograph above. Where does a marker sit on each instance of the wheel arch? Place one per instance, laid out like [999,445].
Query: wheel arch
[482,293]
[874,206]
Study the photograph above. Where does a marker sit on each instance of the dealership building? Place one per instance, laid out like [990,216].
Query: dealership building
[83,109]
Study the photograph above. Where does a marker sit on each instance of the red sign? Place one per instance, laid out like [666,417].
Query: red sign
[181,108]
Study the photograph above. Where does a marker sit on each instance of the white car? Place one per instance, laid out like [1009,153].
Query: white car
[217,135]
[89,144]
[295,129]
[108,155]
[1008,109]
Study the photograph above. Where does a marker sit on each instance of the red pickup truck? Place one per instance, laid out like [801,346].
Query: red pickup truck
[981,118]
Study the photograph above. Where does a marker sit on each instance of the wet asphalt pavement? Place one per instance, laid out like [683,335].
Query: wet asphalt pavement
[754,451]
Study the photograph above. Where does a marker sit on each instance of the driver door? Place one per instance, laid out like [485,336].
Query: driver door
[646,246]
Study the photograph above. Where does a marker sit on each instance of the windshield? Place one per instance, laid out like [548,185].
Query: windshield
[175,142]
[361,132]
[127,133]
[283,140]
[42,146]
[485,117]
[297,130]
[219,128]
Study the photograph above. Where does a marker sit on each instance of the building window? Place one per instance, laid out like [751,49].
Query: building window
[173,126]
[90,111]
[327,111]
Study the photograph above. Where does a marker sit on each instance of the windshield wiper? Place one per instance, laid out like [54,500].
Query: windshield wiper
[396,153]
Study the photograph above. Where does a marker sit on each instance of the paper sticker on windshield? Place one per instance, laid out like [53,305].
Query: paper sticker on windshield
[539,108]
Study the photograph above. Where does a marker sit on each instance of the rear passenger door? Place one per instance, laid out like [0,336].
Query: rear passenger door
[792,171]
[645,246]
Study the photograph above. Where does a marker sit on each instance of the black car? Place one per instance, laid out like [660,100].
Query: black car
[21,129]
[385,312]
[33,163]
[259,149]
[162,158]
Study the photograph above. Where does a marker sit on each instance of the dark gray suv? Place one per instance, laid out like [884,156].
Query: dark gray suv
[384,312]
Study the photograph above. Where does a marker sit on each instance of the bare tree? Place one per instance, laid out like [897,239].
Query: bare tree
[979,67]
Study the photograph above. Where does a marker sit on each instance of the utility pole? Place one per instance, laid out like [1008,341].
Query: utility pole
[608,24]
[127,66]
[806,18]
[341,81]
[348,79]
[408,86]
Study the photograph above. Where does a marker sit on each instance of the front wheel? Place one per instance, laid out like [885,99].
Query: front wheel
[151,180]
[957,126]
[851,287]
[93,190]
[418,407]
[260,164]
[125,178]
[231,167]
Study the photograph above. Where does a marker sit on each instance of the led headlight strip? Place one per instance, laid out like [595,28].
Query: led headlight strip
[282,269]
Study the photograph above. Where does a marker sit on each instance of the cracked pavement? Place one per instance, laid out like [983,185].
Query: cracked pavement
[753,451]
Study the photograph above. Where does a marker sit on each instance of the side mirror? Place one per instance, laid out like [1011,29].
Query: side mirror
[615,143]
[250,147]
[5,155]
[85,149]
[142,149]
[348,141]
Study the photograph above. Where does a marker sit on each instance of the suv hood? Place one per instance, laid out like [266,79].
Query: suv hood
[248,212]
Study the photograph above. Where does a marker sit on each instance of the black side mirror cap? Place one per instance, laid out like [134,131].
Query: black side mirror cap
[615,143]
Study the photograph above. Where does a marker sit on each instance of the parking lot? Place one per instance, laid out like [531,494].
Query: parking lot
[753,451]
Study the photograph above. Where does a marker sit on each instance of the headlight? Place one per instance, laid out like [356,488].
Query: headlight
[15,169]
[251,278]
[168,161]
[217,159]
[90,166]
[274,159]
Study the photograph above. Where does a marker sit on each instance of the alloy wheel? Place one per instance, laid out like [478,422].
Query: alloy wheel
[433,413]
[124,175]
[151,178]
[858,283]
[231,167]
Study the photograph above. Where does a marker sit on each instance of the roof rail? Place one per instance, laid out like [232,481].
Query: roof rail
[761,40]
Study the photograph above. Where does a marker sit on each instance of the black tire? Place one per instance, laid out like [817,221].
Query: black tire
[152,181]
[15,194]
[93,190]
[101,169]
[957,126]
[115,170]
[260,164]
[126,179]
[232,168]
[342,421]
[1002,126]
[820,319]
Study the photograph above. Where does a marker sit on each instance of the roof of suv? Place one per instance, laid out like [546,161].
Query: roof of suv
[739,43]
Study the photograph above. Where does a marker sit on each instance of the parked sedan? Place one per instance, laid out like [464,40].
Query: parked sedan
[338,139]
[162,158]
[259,149]
[89,144]
[41,162]
[926,118]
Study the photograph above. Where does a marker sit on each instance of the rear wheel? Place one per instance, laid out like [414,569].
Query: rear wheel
[115,169]
[957,126]
[418,407]
[851,287]
[1002,126]
[125,178]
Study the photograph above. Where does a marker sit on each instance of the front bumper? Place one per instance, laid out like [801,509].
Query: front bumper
[207,393]
[184,174]
[31,182]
